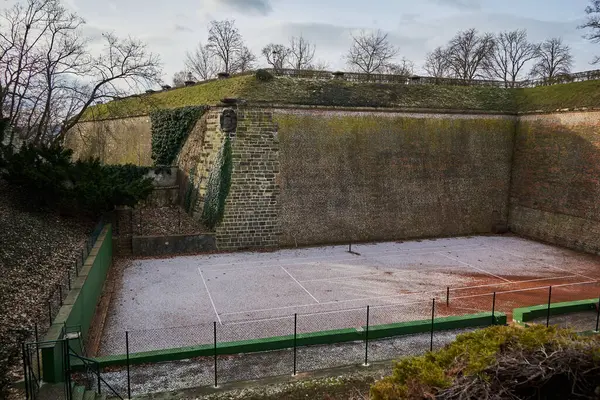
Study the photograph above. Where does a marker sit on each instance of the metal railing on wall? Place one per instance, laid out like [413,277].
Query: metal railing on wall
[428,80]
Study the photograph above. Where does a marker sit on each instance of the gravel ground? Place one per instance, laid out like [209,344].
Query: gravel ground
[350,383]
[198,372]
[158,221]
[579,322]
[35,250]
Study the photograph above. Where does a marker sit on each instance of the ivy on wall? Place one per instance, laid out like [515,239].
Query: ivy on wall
[170,128]
[191,192]
[218,186]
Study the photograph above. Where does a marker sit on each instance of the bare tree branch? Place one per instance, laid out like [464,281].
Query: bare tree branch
[511,52]
[593,23]
[225,42]
[404,67]
[301,52]
[276,55]
[437,63]
[244,61]
[552,58]
[468,52]
[201,62]
[370,52]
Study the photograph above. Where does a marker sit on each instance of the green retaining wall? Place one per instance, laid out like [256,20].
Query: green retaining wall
[304,339]
[79,306]
[525,314]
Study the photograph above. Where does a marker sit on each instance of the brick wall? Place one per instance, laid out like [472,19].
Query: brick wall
[555,192]
[252,208]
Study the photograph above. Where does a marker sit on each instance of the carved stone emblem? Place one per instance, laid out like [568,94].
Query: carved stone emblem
[228,120]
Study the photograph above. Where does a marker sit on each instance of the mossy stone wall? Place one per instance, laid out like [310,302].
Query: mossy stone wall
[362,176]
[114,141]
[555,195]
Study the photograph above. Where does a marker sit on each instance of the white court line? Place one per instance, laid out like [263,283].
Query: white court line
[401,295]
[523,290]
[341,277]
[276,263]
[295,280]
[478,269]
[301,260]
[390,305]
[320,313]
[540,262]
[209,296]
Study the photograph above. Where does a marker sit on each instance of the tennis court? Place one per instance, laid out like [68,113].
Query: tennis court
[166,303]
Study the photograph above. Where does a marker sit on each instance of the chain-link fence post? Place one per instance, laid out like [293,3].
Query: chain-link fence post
[432,324]
[295,336]
[128,372]
[494,309]
[23,350]
[366,364]
[448,296]
[549,303]
[37,351]
[215,351]
[598,314]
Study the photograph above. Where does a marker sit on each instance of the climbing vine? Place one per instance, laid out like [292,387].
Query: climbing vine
[218,186]
[170,128]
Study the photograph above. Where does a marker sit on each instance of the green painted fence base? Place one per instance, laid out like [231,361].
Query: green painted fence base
[79,306]
[526,314]
[303,339]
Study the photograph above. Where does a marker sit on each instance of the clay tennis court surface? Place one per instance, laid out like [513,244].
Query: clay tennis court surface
[166,303]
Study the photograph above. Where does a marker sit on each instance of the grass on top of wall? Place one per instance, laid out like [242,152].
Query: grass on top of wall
[207,93]
[339,93]
[285,90]
[557,97]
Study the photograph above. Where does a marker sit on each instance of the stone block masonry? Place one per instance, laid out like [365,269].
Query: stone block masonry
[555,192]
[251,217]
[375,176]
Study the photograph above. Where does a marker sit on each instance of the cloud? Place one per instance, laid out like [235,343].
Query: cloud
[461,4]
[182,28]
[256,7]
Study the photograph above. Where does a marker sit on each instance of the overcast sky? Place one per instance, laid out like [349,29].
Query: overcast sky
[415,26]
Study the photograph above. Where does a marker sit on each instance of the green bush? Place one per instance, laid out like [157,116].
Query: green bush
[46,177]
[471,354]
[170,128]
[217,190]
[263,75]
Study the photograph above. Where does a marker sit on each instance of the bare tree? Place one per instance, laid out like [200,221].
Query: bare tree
[370,52]
[180,77]
[244,61]
[320,65]
[468,53]
[552,58]
[201,62]
[404,67]
[593,23]
[49,77]
[437,63]
[301,53]
[511,52]
[225,42]
[276,55]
